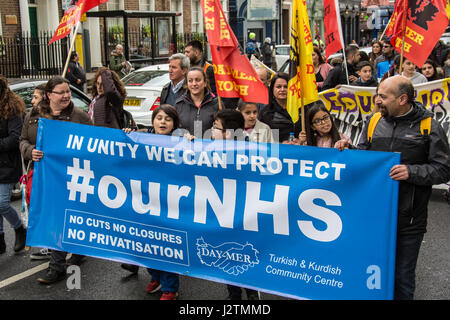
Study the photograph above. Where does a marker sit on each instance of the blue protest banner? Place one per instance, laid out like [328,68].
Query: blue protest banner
[302,222]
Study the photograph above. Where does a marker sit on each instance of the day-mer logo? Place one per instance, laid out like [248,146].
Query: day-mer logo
[231,257]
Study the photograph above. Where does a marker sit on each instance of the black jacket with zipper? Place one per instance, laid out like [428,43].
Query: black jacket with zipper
[190,114]
[427,158]
[279,119]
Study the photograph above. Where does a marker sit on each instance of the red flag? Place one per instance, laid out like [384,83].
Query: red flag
[333,28]
[421,23]
[72,17]
[89,4]
[234,74]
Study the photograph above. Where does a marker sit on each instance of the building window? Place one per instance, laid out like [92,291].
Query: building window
[146,5]
[113,5]
[197,17]
[177,6]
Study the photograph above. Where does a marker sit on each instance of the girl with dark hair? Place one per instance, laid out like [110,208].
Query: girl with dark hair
[106,108]
[429,70]
[165,121]
[376,52]
[56,105]
[275,114]
[12,109]
[256,130]
[321,130]
[38,95]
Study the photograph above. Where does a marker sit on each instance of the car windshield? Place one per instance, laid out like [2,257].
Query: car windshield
[147,78]
[283,50]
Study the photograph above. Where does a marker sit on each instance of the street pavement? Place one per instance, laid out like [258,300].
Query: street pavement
[106,280]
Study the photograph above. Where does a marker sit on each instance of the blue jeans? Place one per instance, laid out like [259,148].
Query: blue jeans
[170,282]
[408,247]
[6,210]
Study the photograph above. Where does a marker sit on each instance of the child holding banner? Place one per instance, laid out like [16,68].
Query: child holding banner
[321,130]
[165,120]
[227,124]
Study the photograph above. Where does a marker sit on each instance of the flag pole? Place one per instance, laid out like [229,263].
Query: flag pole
[403,40]
[72,43]
[345,64]
[384,31]
[302,104]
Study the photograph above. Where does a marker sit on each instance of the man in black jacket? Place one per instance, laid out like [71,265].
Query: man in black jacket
[75,72]
[178,67]
[425,161]
[339,75]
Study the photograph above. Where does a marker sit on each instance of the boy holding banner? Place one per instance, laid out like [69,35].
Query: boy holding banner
[228,124]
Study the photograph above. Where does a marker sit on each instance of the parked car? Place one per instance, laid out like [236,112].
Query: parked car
[282,54]
[143,92]
[139,61]
[25,91]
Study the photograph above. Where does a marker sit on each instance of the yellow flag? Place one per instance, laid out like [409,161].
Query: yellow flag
[448,8]
[302,80]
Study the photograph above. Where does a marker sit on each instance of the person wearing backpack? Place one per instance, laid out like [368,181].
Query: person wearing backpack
[252,46]
[106,108]
[405,126]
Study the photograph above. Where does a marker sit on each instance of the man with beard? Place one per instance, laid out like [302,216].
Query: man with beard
[425,161]
[194,51]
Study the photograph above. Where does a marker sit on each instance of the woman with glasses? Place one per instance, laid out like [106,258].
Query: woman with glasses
[56,105]
[106,108]
[321,130]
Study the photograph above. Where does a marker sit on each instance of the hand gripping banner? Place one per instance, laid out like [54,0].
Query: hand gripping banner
[301,222]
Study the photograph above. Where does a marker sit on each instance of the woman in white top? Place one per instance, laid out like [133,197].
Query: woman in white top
[409,71]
